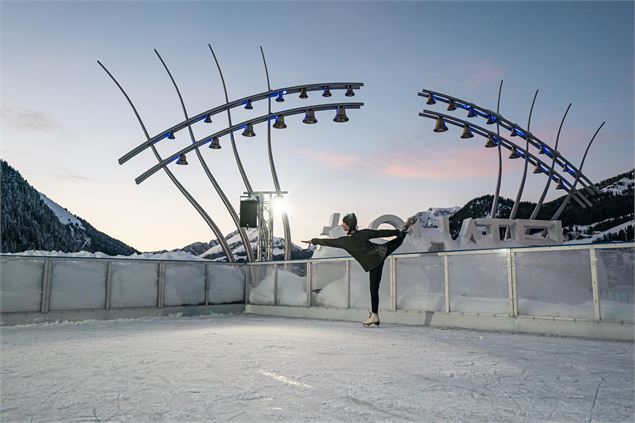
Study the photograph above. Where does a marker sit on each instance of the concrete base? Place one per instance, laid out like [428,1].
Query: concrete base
[540,325]
[115,313]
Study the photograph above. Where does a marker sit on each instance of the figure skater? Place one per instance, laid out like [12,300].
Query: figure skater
[371,256]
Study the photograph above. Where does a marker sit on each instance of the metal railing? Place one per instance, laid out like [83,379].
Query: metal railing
[582,282]
[39,284]
[579,282]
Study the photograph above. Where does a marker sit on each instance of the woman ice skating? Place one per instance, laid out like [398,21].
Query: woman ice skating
[370,256]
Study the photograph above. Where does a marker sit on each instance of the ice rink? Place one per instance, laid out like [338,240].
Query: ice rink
[245,368]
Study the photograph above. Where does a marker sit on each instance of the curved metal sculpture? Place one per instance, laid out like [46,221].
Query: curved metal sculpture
[186,194]
[231,135]
[274,174]
[577,178]
[224,199]
[248,125]
[514,128]
[534,213]
[244,124]
[494,210]
[512,215]
[510,145]
[236,103]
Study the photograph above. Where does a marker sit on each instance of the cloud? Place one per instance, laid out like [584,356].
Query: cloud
[72,175]
[414,163]
[486,72]
[32,120]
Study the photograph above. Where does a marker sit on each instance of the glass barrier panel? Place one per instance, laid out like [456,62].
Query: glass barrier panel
[420,283]
[184,284]
[78,284]
[260,284]
[134,284]
[479,283]
[554,283]
[328,284]
[21,284]
[292,284]
[616,283]
[226,284]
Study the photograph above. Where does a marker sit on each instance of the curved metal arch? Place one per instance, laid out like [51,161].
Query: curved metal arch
[229,119]
[186,194]
[508,125]
[274,174]
[522,182]
[579,198]
[231,129]
[494,209]
[536,210]
[230,105]
[228,206]
[566,200]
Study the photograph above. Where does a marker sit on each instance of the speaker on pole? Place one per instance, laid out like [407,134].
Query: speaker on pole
[248,212]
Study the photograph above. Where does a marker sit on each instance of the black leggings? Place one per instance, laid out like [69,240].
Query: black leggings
[375,274]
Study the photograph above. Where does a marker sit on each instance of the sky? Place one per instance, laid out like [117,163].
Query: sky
[65,124]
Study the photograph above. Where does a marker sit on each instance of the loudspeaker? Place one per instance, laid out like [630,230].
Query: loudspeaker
[248,212]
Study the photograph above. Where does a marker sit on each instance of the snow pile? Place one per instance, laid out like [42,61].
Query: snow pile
[620,187]
[62,214]
[171,255]
[291,289]
[430,217]
[600,235]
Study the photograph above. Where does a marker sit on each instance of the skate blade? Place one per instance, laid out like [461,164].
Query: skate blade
[370,324]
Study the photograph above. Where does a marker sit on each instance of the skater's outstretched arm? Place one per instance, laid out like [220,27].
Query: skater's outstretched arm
[328,242]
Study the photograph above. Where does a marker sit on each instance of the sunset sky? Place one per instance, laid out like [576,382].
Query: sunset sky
[65,124]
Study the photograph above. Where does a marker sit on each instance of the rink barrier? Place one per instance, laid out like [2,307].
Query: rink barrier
[39,280]
[53,288]
[592,324]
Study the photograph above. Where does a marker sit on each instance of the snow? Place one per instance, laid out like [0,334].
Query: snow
[430,217]
[620,187]
[62,214]
[599,235]
[252,368]
[171,255]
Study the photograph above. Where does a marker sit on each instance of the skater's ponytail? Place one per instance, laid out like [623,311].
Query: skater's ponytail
[351,220]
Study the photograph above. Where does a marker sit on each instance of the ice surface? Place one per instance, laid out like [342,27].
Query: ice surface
[243,368]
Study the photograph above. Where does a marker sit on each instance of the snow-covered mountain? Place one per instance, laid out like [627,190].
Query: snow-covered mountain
[32,221]
[213,251]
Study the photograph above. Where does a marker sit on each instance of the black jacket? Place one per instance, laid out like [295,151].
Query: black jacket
[357,244]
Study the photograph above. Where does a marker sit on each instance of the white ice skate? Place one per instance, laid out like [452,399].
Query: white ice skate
[373,319]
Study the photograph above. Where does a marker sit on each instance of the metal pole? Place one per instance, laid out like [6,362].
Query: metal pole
[348,284]
[215,184]
[161,286]
[168,172]
[393,283]
[534,214]
[577,177]
[446,283]
[229,118]
[274,174]
[494,210]
[309,271]
[108,283]
[594,284]
[511,279]
[522,183]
